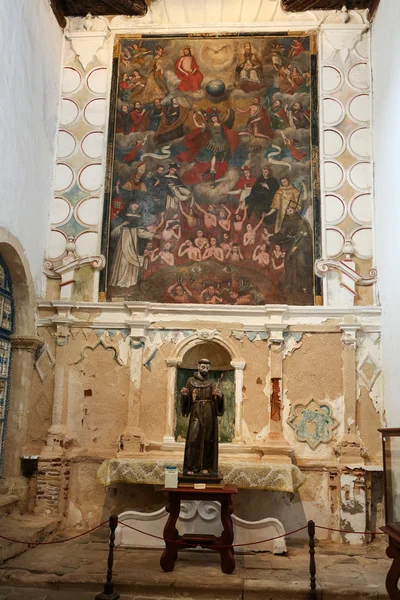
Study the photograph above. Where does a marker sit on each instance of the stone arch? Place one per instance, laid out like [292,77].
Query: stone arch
[199,338]
[23,289]
[24,343]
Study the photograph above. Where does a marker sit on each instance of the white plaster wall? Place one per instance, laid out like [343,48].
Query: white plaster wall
[385,49]
[30,56]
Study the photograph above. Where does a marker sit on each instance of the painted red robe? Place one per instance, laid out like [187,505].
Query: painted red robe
[194,141]
[190,82]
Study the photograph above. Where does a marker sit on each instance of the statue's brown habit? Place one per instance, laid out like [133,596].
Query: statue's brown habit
[201,449]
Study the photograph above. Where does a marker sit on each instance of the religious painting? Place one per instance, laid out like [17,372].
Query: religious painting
[211,193]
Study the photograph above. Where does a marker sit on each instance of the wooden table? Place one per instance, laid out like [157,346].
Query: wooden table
[221,544]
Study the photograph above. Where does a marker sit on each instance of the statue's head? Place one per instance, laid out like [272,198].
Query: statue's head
[204,366]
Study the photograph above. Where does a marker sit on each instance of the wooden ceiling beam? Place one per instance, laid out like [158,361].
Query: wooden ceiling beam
[80,8]
[303,5]
[59,12]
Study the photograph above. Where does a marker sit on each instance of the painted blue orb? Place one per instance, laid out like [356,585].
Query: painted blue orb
[215,87]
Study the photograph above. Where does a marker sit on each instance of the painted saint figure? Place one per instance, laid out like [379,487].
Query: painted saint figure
[287,195]
[201,399]
[187,69]
[249,70]
[258,124]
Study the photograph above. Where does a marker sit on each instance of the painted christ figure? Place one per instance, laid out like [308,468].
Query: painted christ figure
[187,69]
[201,399]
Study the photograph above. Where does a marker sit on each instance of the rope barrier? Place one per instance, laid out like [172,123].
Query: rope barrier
[188,544]
[346,531]
[3,537]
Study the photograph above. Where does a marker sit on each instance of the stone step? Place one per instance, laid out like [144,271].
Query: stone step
[29,528]
[8,503]
[79,568]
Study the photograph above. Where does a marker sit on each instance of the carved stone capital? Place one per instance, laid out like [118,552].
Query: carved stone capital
[29,343]
[138,330]
[349,333]
[238,364]
[276,338]
[172,362]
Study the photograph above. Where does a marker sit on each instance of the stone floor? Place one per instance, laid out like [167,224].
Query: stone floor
[76,571]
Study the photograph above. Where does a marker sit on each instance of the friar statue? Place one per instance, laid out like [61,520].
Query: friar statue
[204,402]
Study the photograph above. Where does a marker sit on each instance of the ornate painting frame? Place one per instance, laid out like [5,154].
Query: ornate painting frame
[229,214]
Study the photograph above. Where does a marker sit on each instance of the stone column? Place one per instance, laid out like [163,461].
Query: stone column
[53,467]
[23,360]
[239,366]
[57,432]
[169,437]
[277,448]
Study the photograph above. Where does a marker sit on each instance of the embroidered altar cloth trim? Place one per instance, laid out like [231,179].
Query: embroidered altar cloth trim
[258,476]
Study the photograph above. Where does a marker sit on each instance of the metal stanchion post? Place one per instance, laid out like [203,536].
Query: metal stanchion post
[108,592]
[313,569]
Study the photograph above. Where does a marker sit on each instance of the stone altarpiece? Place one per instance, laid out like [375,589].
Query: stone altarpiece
[306,379]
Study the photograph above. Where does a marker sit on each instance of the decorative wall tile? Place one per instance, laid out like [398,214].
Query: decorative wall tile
[313,423]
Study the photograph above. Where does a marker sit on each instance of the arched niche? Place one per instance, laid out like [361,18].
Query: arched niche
[223,374]
[24,343]
[14,257]
[223,356]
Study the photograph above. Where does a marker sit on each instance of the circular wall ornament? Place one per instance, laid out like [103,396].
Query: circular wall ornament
[90,177]
[96,80]
[334,175]
[358,76]
[86,212]
[360,176]
[331,78]
[95,112]
[358,108]
[61,211]
[359,142]
[64,177]
[66,144]
[360,209]
[86,243]
[335,239]
[93,144]
[71,80]
[363,242]
[333,111]
[56,244]
[334,143]
[69,111]
[335,209]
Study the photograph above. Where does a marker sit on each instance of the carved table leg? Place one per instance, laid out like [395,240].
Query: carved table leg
[227,554]
[393,576]
[170,554]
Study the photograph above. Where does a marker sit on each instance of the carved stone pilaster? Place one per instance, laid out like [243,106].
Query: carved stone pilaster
[57,433]
[350,448]
[132,439]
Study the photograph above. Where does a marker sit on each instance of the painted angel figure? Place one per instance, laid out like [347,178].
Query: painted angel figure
[209,146]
